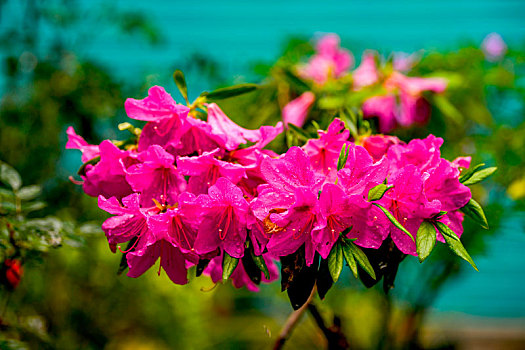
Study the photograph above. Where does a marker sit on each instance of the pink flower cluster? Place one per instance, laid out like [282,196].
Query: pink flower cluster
[396,99]
[194,190]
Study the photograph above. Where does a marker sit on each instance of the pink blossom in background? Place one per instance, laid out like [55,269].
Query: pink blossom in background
[367,73]
[329,62]
[296,111]
[494,47]
[403,104]
[384,108]
[403,62]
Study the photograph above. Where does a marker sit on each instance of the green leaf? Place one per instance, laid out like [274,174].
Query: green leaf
[82,169]
[180,81]
[426,239]
[479,176]
[454,243]
[230,91]
[298,83]
[361,259]
[468,173]
[9,176]
[393,220]
[377,192]
[343,157]
[350,260]
[29,192]
[229,264]
[300,133]
[474,210]
[335,261]
[261,264]
[33,206]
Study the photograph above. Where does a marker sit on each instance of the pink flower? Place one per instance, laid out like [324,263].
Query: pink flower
[108,177]
[129,221]
[178,225]
[366,74]
[172,260]
[289,203]
[296,111]
[330,61]
[360,173]
[409,205]
[156,177]
[206,169]
[378,145]
[494,47]
[424,154]
[158,106]
[324,152]
[290,171]
[166,118]
[341,212]
[75,141]
[297,223]
[223,212]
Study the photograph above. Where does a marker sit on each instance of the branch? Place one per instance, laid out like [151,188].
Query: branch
[291,322]
[333,334]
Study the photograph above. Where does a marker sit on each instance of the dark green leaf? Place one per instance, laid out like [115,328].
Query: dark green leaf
[324,280]
[454,243]
[361,259]
[393,220]
[350,260]
[426,239]
[252,270]
[335,261]
[201,265]
[297,278]
[343,157]
[474,210]
[82,170]
[9,176]
[180,81]
[467,174]
[261,264]
[377,192]
[298,83]
[33,206]
[479,176]
[229,264]
[300,133]
[231,91]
